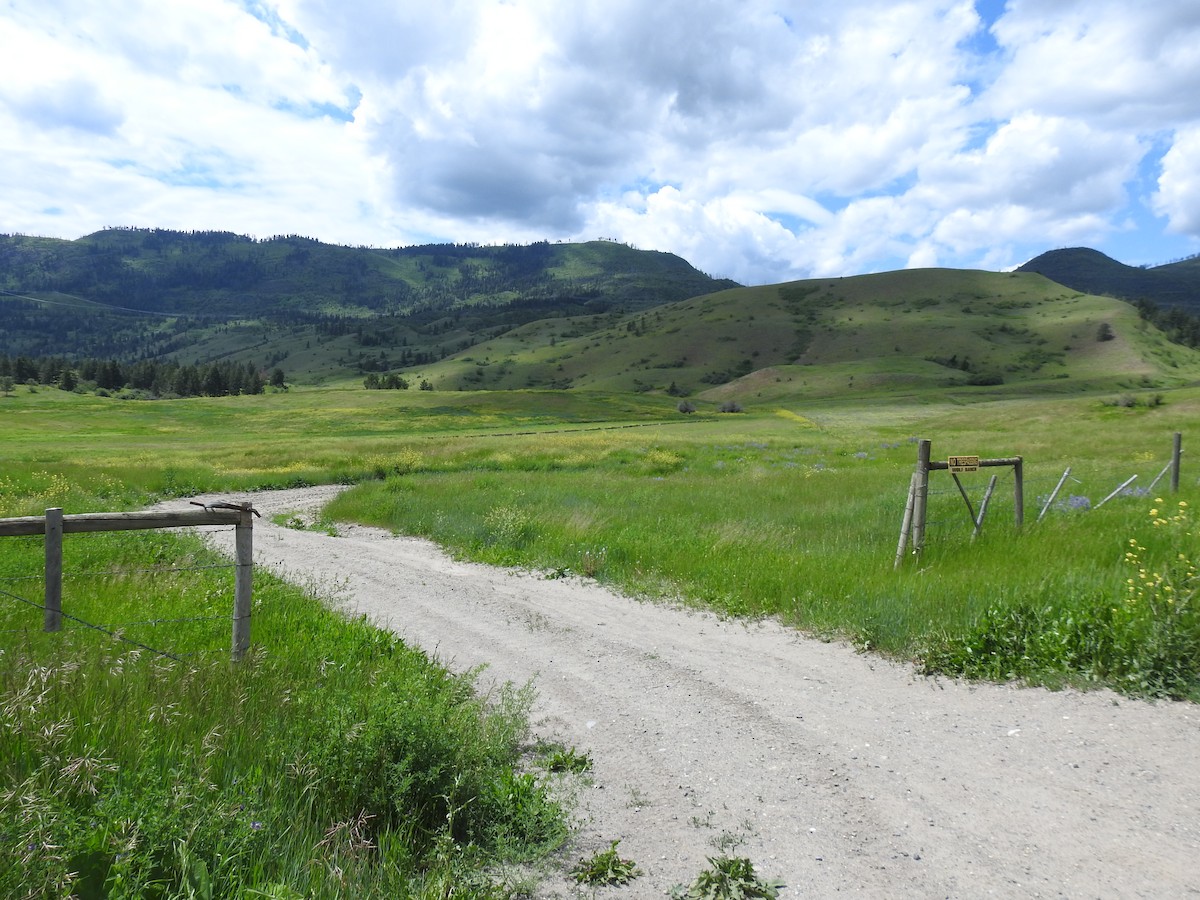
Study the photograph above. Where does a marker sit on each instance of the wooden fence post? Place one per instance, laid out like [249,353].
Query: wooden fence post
[906,524]
[243,541]
[1124,484]
[1176,453]
[921,496]
[983,507]
[52,620]
[1019,490]
[1054,493]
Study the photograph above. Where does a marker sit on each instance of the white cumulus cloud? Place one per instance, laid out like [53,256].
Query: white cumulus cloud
[760,139]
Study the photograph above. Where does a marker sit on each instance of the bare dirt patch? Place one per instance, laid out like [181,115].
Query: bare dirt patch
[837,772]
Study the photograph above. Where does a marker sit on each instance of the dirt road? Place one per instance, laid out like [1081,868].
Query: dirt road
[836,772]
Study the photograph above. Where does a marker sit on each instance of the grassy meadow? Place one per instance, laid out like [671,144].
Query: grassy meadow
[789,509]
[154,776]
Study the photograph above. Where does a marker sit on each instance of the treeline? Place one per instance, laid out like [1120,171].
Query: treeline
[149,378]
[392,382]
[1176,323]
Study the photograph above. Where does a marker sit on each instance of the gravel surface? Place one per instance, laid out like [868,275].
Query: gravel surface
[836,772]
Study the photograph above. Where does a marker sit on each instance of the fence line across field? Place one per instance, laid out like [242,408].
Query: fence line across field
[54,525]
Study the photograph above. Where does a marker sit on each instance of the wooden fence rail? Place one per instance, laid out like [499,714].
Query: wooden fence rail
[54,525]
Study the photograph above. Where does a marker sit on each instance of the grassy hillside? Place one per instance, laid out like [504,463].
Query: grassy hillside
[910,330]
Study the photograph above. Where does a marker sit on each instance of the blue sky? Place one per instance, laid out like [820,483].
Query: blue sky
[763,140]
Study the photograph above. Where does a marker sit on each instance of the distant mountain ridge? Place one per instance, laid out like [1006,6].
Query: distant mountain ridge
[221,273]
[148,293]
[597,316]
[1090,271]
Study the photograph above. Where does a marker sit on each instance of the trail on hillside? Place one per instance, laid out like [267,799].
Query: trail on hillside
[833,771]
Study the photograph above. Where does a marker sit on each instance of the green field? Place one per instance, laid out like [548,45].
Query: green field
[791,508]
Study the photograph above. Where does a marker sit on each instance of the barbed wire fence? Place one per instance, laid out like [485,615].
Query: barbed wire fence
[1049,493]
[19,589]
[120,631]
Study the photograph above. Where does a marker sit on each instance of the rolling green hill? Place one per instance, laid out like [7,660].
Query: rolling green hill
[909,330]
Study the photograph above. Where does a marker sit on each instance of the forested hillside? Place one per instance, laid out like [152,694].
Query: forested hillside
[1174,285]
[197,297]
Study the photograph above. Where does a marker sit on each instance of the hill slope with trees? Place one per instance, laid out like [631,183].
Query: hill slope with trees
[1174,285]
[196,297]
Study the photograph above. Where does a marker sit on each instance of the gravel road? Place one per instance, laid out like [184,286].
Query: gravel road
[838,773]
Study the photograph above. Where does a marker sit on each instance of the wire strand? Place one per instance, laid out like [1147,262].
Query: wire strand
[101,629]
[116,572]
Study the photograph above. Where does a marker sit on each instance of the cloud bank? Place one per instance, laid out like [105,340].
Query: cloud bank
[761,140]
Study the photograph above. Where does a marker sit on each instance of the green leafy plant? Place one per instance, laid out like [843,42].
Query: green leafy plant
[728,878]
[568,759]
[605,867]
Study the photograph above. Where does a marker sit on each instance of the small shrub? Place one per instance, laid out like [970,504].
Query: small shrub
[605,867]
[508,526]
[686,407]
[592,562]
[568,759]
[728,878]
[985,379]
[730,406]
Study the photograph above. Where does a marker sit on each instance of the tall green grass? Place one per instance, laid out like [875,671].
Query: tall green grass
[334,761]
[752,518]
[791,509]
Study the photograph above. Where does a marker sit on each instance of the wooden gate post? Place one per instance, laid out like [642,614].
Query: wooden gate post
[906,524]
[52,619]
[920,496]
[1019,491]
[1176,453]
[243,542]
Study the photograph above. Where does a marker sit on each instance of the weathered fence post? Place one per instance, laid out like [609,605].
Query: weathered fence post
[1054,493]
[52,620]
[920,496]
[1019,490]
[1176,453]
[243,542]
[1124,484]
[983,507]
[906,523]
